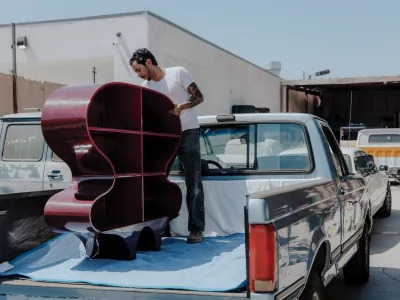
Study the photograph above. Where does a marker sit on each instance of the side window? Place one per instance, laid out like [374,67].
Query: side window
[23,143]
[335,152]
[54,157]
[347,159]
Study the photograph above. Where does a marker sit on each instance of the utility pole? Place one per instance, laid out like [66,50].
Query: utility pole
[94,74]
[14,70]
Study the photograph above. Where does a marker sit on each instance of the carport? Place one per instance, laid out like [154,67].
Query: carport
[373,101]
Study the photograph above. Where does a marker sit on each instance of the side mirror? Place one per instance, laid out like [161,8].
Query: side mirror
[364,164]
[383,168]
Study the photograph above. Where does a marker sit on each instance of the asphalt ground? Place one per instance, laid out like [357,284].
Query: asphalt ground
[384,280]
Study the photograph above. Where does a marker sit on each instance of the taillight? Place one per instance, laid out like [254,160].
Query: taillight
[262,257]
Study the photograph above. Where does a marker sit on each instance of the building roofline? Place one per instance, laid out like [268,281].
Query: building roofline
[210,43]
[146,12]
[343,81]
[81,18]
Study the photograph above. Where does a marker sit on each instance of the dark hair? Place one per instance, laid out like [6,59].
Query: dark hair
[141,55]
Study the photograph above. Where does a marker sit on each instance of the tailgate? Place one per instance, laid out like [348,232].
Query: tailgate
[48,291]
[389,156]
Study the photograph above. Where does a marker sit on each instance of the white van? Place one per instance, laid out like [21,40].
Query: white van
[384,145]
[27,164]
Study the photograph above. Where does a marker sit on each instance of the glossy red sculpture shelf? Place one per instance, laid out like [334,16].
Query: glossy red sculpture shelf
[118,140]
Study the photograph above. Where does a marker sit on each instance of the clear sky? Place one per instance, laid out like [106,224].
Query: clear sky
[352,38]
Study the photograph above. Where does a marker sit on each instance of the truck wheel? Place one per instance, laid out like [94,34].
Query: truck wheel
[356,271]
[314,289]
[386,209]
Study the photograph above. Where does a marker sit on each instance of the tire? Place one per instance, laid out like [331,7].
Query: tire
[386,210]
[356,271]
[314,289]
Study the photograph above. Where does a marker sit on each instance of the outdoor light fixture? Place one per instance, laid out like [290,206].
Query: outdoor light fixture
[323,72]
[22,42]
[320,73]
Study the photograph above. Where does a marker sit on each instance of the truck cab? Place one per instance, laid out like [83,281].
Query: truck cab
[27,164]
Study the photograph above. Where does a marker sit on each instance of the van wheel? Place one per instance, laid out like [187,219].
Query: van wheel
[314,289]
[356,271]
[386,209]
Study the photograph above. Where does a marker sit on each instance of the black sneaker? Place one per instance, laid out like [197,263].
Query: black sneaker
[194,237]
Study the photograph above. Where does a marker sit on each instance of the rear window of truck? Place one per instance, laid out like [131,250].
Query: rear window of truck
[384,138]
[272,147]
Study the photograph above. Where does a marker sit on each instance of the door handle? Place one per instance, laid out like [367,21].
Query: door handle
[55,174]
[341,191]
[352,201]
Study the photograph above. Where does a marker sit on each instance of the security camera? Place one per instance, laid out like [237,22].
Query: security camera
[118,34]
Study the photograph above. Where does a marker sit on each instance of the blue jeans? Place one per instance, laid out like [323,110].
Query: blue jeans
[189,155]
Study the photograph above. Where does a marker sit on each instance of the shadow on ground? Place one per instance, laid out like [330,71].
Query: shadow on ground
[383,284]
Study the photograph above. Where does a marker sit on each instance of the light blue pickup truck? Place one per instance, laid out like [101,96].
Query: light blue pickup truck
[277,182]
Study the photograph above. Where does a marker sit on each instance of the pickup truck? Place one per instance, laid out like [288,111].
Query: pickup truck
[384,145]
[280,179]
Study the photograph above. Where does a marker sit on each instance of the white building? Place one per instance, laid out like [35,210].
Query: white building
[84,50]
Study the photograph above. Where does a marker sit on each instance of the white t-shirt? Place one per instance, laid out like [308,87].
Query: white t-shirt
[174,85]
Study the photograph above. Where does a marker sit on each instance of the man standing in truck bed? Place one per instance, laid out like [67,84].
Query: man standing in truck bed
[178,85]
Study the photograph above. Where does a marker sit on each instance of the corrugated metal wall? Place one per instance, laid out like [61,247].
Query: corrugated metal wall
[30,93]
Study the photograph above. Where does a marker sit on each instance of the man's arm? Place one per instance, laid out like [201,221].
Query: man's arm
[195,99]
[196,96]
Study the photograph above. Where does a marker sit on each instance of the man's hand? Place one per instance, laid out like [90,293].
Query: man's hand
[195,99]
[176,111]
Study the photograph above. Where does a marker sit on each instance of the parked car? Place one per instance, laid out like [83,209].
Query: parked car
[384,145]
[348,134]
[377,182]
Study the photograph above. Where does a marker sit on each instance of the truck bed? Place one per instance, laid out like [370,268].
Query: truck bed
[216,265]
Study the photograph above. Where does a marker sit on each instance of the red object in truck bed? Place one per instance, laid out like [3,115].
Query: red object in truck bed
[118,140]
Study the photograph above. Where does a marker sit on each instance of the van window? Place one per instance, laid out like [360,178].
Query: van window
[23,143]
[384,138]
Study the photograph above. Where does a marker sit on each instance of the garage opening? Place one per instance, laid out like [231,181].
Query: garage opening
[349,104]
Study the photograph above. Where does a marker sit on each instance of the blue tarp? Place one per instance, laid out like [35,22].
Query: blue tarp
[217,264]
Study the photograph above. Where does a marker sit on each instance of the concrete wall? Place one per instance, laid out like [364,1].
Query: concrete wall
[223,78]
[300,102]
[30,93]
[65,52]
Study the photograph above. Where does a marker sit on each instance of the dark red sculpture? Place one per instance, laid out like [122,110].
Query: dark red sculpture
[118,140]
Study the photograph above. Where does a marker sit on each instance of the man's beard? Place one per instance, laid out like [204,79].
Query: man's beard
[149,75]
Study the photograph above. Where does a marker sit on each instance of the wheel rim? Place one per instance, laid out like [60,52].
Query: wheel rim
[315,296]
[389,200]
[366,253]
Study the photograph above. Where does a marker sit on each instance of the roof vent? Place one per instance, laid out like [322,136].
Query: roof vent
[275,67]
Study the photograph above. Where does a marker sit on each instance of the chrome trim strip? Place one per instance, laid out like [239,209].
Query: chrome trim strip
[290,290]
[330,274]
[335,253]
[346,257]
[346,245]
